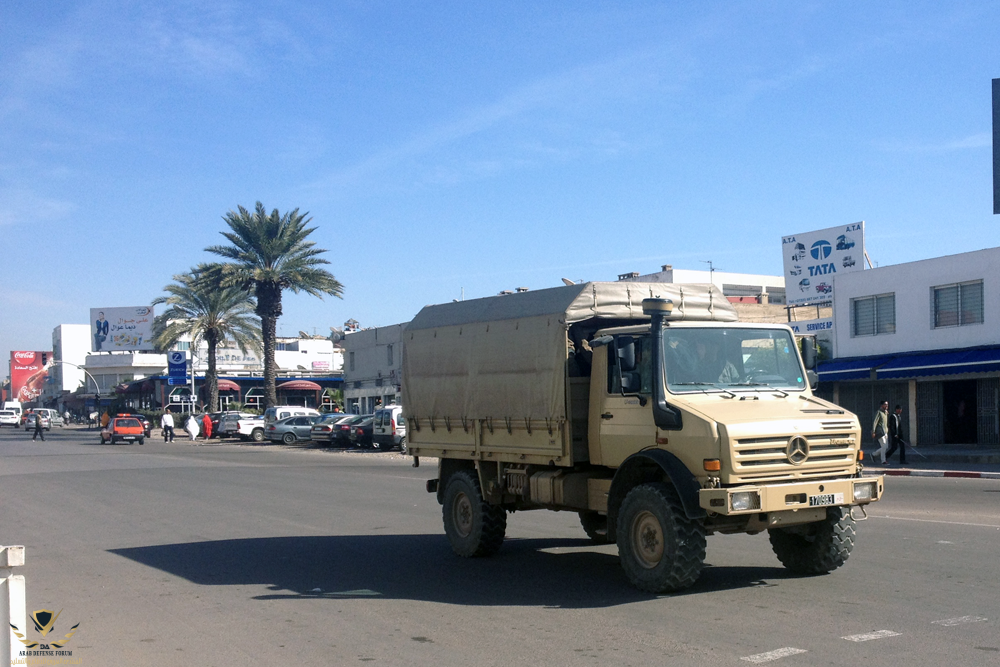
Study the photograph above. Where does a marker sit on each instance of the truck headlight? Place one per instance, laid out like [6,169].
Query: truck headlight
[864,491]
[744,500]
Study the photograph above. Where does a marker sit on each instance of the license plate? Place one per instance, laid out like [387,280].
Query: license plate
[128,437]
[826,499]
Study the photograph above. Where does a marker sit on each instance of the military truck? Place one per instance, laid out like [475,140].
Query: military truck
[648,409]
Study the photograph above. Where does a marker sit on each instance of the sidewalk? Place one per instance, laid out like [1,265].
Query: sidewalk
[941,461]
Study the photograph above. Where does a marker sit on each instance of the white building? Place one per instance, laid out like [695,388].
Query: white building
[771,288]
[70,344]
[373,368]
[924,335]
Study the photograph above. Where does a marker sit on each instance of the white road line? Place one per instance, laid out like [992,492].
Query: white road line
[868,636]
[952,622]
[773,655]
[953,523]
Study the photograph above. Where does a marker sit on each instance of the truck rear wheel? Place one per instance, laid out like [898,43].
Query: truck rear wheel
[660,548]
[596,526]
[474,527]
[815,548]
[257,435]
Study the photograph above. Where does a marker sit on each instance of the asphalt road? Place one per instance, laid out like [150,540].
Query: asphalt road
[187,554]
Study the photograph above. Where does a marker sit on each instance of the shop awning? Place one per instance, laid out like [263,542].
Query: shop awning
[228,385]
[836,370]
[953,362]
[300,385]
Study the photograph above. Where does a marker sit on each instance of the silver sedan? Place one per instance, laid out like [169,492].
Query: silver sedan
[290,429]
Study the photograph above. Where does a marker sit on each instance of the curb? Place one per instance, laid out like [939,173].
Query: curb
[934,473]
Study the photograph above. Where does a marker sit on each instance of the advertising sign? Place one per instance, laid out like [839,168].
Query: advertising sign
[28,372]
[177,368]
[811,261]
[121,328]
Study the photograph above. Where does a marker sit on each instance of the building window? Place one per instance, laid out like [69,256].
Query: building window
[183,345]
[873,315]
[959,304]
[280,346]
[351,357]
[388,349]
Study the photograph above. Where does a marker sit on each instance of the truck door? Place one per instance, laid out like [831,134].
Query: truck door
[623,419]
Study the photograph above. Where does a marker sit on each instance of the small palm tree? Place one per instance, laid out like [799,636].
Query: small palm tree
[269,254]
[202,310]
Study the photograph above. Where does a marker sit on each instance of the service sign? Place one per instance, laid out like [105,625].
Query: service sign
[28,372]
[813,259]
[121,329]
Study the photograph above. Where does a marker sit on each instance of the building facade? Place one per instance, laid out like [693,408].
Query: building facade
[373,361]
[924,335]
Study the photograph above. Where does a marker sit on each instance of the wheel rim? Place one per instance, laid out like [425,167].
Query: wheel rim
[462,514]
[289,438]
[647,539]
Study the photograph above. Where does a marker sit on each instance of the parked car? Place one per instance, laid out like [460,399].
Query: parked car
[323,428]
[341,435]
[290,429]
[9,418]
[29,421]
[361,432]
[126,428]
[278,412]
[389,428]
[251,428]
[227,424]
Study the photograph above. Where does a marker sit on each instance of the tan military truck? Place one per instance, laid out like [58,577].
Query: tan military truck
[646,408]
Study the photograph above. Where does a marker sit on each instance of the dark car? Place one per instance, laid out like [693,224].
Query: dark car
[361,432]
[147,426]
[323,429]
[341,435]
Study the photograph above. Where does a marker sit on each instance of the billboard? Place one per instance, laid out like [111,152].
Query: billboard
[121,329]
[28,372]
[811,261]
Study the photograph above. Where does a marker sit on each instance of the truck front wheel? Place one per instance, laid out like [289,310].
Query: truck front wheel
[660,548]
[474,527]
[815,548]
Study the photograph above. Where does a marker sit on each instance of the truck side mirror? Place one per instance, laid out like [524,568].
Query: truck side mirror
[809,353]
[626,353]
[813,379]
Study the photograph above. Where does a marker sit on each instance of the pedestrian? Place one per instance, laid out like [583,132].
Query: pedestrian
[167,424]
[191,426]
[38,427]
[206,423]
[896,435]
[880,431]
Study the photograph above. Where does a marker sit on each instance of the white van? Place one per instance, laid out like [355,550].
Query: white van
[389,428]
[14,406]
[277,412]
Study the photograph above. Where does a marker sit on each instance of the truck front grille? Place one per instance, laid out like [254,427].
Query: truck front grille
[831,453]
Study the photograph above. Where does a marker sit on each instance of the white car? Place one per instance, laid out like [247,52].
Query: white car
[9,418]
[251,428]
[389,428]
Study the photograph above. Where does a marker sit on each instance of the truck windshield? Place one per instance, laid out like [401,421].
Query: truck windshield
[716,359]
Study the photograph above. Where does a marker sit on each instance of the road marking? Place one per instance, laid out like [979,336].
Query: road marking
[952,622]
[868,636]
[953,523]
[773,655]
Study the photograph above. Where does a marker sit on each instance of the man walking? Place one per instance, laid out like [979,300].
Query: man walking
[38,427]
[896,435]
[167,424]
[880,431]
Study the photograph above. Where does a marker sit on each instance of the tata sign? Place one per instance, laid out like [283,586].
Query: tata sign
[813,259]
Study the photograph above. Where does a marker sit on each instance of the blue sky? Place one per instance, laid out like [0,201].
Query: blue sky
[450,146]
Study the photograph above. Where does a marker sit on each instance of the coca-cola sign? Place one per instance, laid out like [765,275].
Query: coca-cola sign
[28,372]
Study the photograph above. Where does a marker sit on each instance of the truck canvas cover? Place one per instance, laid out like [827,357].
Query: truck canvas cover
[505,357]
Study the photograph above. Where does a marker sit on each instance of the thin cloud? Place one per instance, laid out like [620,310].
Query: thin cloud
[21,206]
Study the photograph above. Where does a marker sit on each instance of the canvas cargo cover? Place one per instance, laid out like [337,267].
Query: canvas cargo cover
[504,357]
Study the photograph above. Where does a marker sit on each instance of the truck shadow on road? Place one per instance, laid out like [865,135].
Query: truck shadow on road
[565,573]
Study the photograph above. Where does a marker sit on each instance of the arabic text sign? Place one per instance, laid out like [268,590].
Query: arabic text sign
[121,328]
[813,259]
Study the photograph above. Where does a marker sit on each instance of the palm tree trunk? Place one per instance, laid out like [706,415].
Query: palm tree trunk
[212,375]
[269,309]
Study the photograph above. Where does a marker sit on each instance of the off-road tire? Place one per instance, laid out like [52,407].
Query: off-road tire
[596,526]
[257,435]
[660,548]
[473,526]
[816,548]
[288,438]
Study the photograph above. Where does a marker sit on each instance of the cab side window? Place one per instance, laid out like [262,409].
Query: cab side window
[630,361]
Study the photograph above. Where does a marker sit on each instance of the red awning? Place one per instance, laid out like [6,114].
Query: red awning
[228,385]
[301,385]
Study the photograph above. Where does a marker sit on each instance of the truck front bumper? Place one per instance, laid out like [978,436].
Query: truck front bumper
[748,499]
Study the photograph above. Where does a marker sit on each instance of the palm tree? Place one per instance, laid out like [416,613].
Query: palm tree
[204,311]
[270,254]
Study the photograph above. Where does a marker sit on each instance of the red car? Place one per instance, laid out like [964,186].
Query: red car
[124,428]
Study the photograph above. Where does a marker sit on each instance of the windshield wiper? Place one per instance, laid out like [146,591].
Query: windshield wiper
[692,384]
[748,384]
